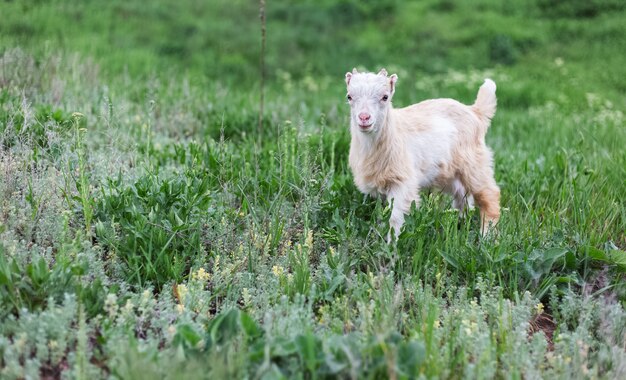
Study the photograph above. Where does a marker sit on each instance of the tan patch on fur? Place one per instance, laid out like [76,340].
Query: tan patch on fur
[488,201]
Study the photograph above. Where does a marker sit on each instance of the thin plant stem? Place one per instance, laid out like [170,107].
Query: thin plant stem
[262,67]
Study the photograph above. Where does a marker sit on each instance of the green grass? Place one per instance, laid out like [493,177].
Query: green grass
[148,231]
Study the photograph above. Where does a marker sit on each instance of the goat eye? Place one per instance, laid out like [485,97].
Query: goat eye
[385,98]
[349,98]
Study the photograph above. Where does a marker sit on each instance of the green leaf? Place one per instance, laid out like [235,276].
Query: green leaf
[249,326]
[284,347]
[617,257]
[411,356]
[609,255]
[223,327]
[308,347]
[186,336]
[596,254]
[273,373]
[449,259]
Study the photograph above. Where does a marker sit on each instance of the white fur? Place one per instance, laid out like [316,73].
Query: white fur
[436,143]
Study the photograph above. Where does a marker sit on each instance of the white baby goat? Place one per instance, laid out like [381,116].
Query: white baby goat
[437,143]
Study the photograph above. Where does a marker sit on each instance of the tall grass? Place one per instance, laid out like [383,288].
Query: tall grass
[147,231]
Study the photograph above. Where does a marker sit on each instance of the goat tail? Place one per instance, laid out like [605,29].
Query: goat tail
[485,105]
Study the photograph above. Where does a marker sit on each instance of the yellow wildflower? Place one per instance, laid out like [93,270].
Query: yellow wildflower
[308,242]
[278,270]
[216,265]
[539,308]
[182,293]
[201,275]
[247,298]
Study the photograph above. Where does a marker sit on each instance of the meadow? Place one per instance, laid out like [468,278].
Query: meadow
[149,228]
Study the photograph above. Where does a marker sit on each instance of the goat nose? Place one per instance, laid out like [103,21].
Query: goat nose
[364,116]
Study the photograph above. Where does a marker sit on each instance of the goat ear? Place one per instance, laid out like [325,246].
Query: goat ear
[355,71]
[348,77]
[392,82]
[382,72]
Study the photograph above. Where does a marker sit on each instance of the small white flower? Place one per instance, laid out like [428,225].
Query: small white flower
[110,305]
[145,295]
[129,307]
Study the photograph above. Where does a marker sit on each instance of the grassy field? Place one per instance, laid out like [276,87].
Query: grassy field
[149,230]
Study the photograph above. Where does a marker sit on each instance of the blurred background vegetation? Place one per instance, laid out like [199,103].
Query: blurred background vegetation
[220,39]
